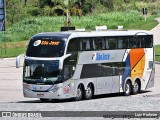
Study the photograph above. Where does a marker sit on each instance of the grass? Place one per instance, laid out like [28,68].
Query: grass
[129,19]
[142,25]
[11,52]
[12,49]
[157,53]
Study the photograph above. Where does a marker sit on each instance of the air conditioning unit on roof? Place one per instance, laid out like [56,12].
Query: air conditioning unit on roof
[101,28]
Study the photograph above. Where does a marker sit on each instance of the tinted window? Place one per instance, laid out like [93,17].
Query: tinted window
[74,45]
[46,72]
[46,48]
[123,42]
[102,70]
[134,42]
[146,42]
[85,44]
[99,43]
[112,43]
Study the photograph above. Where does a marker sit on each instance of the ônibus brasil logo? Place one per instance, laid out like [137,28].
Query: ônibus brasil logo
[100,56]
[37,42]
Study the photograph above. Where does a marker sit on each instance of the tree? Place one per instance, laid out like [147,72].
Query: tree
[126,1]
[25,2]
[15,11]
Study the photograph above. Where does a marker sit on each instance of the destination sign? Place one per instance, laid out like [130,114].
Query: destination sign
[45,42]
[50,43]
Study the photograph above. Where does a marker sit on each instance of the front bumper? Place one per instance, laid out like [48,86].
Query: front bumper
[50,94]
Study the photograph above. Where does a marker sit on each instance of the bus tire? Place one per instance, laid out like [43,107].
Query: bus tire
[89,92]
[127,90]
[136,87]
[79,93]
[44,99]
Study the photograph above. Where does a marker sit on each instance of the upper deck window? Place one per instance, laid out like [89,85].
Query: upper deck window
[46,48]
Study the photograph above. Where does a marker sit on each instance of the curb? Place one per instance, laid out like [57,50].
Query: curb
[7,58]
[156,62]
[155,27]
[158,19]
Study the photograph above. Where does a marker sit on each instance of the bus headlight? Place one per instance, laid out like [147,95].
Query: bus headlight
[55,89]
[26,87]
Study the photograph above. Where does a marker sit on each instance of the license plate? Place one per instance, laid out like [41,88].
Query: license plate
[40,95]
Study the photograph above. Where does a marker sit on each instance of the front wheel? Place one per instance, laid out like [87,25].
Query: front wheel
[89,92]
[79,93]
[127,89]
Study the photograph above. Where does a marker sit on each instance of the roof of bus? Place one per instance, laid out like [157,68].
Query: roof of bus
[114,33]
[67,34]
[53,34]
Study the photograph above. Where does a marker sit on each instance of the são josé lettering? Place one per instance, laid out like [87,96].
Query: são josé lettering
[44,42]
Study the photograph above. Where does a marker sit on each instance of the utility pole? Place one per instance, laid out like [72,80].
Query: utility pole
[3,21]
[66,2]
[144,10]
[67,21]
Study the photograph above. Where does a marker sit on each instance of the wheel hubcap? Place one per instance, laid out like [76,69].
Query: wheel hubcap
[88,92]
[136,87]
[78,93]
[127,88]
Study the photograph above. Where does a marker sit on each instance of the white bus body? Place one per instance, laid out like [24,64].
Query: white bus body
[82,64]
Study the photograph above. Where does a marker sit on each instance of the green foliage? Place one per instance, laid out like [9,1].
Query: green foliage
[129,19]
[15,11]
[18,10]
[157,52]
[11,52]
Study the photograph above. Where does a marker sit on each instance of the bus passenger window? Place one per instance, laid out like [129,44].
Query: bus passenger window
[84,45]
[134,42]
[146,42]
[106,43]
[137,42]
[99,44]
[73,45]
[112,43]
[122,43]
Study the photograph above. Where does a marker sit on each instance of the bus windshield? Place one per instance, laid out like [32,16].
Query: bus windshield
[45,48]
[41,71]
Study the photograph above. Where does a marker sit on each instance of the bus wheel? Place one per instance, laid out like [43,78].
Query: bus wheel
[79,93]
[136,88]
[127,90]
[44,100]
[89,92]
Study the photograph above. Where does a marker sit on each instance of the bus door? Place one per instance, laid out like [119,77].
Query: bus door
[104,84]
[115,84]
[67,73]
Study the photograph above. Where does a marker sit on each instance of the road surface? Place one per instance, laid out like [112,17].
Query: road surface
[11,97]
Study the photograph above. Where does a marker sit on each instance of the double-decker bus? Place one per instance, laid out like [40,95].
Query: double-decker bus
[72,64]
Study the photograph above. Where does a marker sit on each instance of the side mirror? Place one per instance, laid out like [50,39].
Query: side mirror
[18,60]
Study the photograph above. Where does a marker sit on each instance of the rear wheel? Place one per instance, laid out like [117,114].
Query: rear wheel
[127,89]
[136,88]
[44,99]
[89,92]
[79,93]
